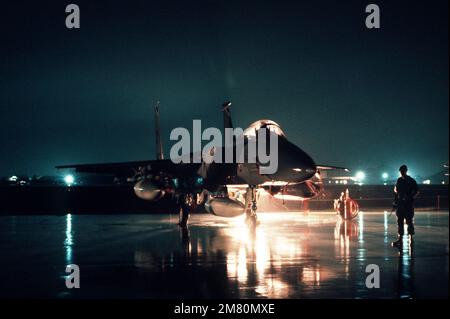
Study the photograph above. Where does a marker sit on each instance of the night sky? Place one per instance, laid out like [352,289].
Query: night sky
[347,95]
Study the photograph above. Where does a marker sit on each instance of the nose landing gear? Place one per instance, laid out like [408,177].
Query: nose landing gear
[251,218]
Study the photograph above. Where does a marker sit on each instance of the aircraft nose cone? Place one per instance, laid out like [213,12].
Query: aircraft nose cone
[294,165]
[307,165]
[310,167]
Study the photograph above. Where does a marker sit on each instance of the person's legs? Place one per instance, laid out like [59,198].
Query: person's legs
[410,223]
[400,224]
[401,229]
[410,220]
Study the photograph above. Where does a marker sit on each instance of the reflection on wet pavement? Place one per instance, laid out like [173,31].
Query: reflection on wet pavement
[289,255]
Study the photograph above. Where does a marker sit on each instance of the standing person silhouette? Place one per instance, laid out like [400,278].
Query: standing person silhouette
[406,191]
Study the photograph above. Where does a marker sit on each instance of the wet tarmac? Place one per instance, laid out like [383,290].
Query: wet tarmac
[290,255]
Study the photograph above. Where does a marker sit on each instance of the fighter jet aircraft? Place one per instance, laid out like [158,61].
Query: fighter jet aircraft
[224,189]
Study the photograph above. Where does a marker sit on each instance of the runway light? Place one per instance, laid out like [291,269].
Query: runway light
[69,180]
[385,175]
[13,178]
[427,182]
[360,175]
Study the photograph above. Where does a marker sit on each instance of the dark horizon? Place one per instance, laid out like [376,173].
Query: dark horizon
[347,95]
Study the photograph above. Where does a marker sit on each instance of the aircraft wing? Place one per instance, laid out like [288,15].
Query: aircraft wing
[326,167]
[128,169]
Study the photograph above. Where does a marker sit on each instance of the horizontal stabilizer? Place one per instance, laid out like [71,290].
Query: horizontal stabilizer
[328,168]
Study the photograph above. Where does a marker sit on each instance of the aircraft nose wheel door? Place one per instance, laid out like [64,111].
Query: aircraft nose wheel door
[251,218]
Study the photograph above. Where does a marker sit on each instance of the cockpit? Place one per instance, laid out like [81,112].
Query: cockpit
[268,124]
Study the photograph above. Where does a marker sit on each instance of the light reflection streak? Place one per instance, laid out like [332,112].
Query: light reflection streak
[386,239]
[261,261]
[361,250]
[361,227]
[343,232]
[405,269]
[259,256]
[311,276]
[289,255]
[273,288]
[68,242]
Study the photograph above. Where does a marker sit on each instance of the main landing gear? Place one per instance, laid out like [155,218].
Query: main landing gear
[186,203]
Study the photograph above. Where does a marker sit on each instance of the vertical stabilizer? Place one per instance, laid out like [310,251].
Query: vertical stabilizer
[159,145]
